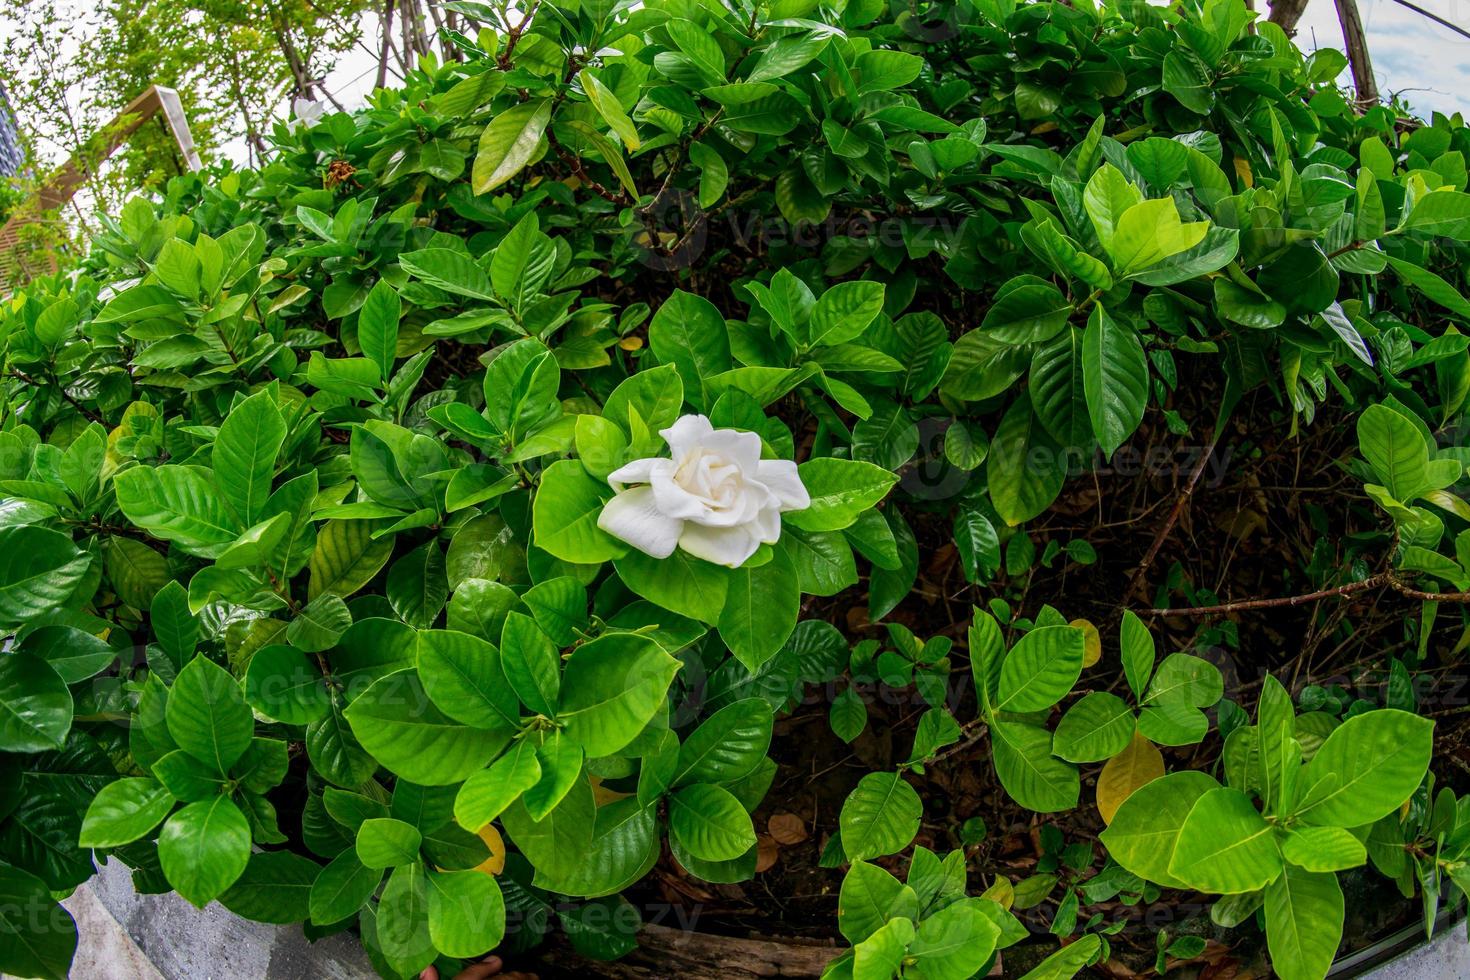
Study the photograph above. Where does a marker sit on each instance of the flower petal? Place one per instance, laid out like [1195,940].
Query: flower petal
[688,432]
[638,471]
[781,478]
[633,516]
[729,546]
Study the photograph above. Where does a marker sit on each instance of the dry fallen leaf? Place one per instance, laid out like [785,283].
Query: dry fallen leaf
[766,853]
[1136,765]
[787,828]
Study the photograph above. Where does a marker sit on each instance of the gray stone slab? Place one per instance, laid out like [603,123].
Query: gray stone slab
[185,943]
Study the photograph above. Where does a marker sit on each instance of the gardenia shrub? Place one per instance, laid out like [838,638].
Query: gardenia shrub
[428,527]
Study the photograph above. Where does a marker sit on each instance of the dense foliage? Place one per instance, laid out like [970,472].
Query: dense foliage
[303,544]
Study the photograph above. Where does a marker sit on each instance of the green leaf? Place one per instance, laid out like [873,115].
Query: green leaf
[1026,468]
[1393,446]
[881,955]
[710,823]
[1138,653]
[1442,212]
[689,333]
[680,583]
[1187,79]
[244,455]
[1067,962]
[174,626]
[208,716]
[26,951]
[840,490]
[124,811]
[346,557]
[869,899]
[1145,830]
[1097,727]
[1304,915]
[486,794]
[343,887]
[843,312]
[204,849]
[319,624]
[728,745]
[462,675]
[450,270]
[557,844]
[1026,311]
[1323,849]
[508,143]
[955,942]
[880,816]
[396,722]
[1031,775]
[605,101]
[761,605]
[282,684]
[377,326]
[35,705]
[38,572]
[275,888]
[418,585]
[403,920]
[531,663]
[176,503]
[1041,668]
[1225,846]
[1375,760]
[383,842]
[568,503]
[466,912]
[610,690]
[1115,377]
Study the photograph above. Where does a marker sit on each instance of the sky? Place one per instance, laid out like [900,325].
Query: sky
[1411,53]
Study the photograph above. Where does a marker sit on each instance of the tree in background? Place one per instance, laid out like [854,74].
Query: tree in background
[235,63]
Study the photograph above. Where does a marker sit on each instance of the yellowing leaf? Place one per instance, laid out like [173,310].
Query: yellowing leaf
[1140,763]
[1092,648]
[1243,171]
[1002,892]
[495,863]
[602,795]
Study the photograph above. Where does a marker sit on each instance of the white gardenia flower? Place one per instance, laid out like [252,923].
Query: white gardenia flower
[308,112]
[716,498]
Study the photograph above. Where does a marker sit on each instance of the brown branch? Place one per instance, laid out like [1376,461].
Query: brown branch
[1381,580]
[1172,519]
[514,37]
[61,390]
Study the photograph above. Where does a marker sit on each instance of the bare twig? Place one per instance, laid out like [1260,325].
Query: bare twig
[1379,581]
[1172,519]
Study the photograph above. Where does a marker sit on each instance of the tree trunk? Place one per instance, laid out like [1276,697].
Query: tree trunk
[1285,14]
[1357,51]
[667,952]
[387,45]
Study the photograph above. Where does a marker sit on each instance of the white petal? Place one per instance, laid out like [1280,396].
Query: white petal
[689,432]
[781,478]
[766,526]
[638,471]
[741,448]
[729,546]
[633,516]
[674,499]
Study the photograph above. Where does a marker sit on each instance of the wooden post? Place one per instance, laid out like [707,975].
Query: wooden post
[1356,42]
[62,185]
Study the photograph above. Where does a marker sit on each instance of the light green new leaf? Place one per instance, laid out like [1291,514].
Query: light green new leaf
[1028,771]
[1225,846]
[880,816]
[204,848]
[208,716]
[1145,829]
[1304,915]
[1041,668]
[508,143]
[1378,758]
